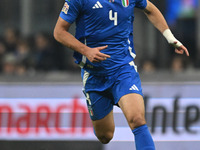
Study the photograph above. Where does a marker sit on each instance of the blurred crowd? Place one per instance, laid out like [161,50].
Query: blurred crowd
[41,53]
[178,64]
[37,53]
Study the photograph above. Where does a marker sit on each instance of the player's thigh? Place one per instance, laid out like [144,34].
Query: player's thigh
[100,107]
[104,126]
[132,106]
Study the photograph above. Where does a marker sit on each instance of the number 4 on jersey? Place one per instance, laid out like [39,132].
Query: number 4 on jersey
[113,18]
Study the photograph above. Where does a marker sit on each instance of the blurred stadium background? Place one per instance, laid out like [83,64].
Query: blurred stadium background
[38,75]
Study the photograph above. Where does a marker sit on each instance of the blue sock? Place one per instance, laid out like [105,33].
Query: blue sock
[143,139]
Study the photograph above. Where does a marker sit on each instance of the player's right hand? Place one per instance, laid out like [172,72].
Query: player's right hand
[94,55]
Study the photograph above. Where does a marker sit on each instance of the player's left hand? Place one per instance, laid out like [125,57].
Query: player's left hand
[180,49]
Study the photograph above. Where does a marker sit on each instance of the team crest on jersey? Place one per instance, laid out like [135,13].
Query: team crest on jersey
[125,3]
[65,8]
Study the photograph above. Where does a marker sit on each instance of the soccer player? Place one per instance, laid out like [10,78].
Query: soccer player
[102,50]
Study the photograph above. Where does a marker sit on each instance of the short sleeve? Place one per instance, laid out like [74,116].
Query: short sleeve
[71,10]
[142,4]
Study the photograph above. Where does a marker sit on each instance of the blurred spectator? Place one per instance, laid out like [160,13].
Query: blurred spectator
[178,64]
[11,37]
[44,53]
[24,57]
[9,64]
[2,48]
[40,53]
[148,66]
[2,52]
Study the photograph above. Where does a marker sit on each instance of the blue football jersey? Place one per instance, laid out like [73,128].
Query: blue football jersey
[100,23]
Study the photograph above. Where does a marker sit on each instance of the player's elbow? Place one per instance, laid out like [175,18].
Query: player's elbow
[150,9]
[56,34]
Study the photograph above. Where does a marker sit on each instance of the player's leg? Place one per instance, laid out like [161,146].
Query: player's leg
[132,106]
[104,128]
[100,108]
[128,94]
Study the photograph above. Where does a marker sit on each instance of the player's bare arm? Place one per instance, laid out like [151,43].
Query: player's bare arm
[62,35]
[157,19]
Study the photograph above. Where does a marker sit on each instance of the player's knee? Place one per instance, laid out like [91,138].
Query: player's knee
[136,121]
[105,138]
